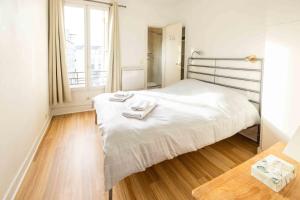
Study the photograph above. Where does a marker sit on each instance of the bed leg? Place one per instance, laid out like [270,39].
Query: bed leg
[110,194]
[96,118]
[258,135]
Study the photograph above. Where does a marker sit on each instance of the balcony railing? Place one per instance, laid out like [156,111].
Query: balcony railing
[78,79]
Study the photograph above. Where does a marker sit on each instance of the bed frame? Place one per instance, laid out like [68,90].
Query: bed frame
[241,74]
[218,71]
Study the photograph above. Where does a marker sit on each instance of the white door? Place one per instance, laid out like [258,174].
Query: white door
[172,41]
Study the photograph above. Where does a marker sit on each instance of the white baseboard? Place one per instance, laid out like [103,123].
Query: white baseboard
[68,109]
[18,179]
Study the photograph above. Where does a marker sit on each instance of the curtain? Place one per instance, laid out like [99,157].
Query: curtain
[59,90]
[114,67]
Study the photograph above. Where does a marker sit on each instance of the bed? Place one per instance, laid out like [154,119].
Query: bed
[190,115]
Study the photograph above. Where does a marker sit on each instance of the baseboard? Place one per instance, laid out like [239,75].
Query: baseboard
[68,109]
[18,179]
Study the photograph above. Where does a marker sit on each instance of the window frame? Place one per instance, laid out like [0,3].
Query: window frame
[87,6]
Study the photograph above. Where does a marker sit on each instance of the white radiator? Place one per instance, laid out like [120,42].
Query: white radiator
[133,78]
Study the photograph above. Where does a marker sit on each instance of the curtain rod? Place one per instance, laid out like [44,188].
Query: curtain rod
[106,3]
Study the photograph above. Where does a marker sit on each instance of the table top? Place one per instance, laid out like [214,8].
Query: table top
[238,183]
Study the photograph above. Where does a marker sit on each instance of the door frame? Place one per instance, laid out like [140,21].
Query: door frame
[162,56]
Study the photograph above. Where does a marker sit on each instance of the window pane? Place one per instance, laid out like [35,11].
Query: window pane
[98,38]
[75,52]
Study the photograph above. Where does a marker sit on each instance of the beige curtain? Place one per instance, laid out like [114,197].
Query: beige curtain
[114,67]
[58,77]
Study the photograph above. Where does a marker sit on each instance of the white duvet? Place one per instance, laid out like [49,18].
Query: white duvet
[190,115]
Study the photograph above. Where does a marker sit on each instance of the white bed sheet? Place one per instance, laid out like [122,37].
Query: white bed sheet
[190,115]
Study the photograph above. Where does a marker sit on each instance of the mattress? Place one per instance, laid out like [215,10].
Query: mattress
[190,115]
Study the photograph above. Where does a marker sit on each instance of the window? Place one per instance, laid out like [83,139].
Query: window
[86,30]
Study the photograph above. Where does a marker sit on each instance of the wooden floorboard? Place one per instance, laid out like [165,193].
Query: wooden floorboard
[68,166]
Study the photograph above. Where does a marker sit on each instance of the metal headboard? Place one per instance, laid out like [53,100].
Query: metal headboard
[194,69]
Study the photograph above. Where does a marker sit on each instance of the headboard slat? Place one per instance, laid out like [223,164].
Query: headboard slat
[242,75]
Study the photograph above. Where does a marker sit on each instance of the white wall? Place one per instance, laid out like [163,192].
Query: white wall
[134,22]
[231,28]
[23,84]
[281,111]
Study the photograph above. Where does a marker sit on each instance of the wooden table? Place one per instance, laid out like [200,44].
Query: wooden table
[238,183]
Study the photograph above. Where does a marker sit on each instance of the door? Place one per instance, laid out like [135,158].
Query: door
[172,41]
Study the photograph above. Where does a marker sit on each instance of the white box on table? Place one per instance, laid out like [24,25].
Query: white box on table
[273,172]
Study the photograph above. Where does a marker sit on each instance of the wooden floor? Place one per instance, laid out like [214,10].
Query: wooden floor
[68,166]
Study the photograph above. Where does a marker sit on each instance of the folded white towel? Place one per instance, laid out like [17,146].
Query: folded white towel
[122,94]
[120,99]
[139,114]
[140,105]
